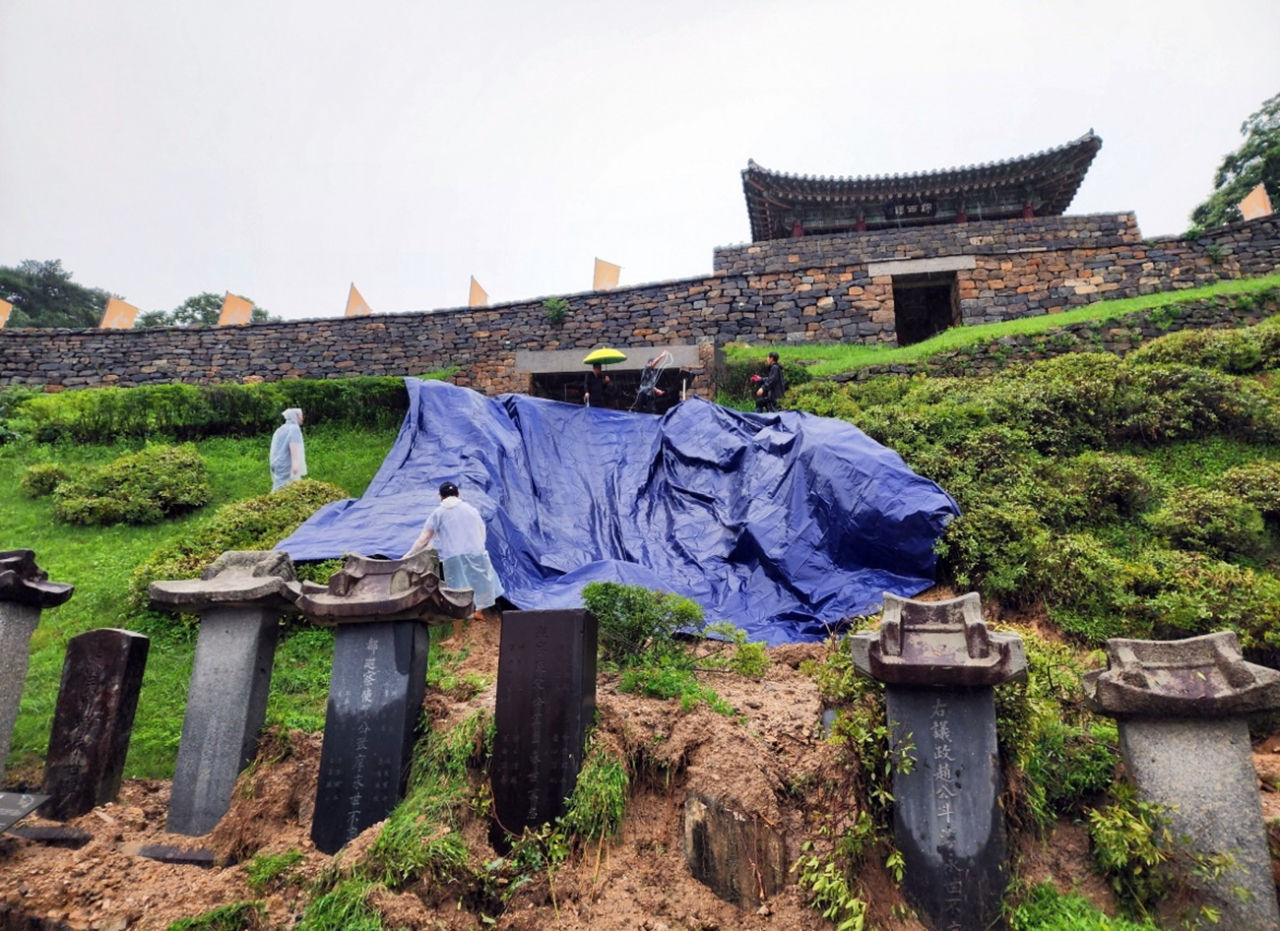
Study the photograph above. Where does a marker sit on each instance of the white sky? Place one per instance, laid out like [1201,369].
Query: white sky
[282,150]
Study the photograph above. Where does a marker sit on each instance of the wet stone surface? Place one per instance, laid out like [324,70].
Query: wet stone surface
[376,692]
[546,701]
[93,720]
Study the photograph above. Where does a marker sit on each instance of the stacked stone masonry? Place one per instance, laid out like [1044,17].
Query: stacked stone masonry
[816,289]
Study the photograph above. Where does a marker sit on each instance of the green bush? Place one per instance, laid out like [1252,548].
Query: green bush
[1057,755]
[1135,850]
[1257,483]
[1077,576]
[1236,352]
[1093,488]
[993,546]
[39,481]
[185,412]
[1209,521]
[252,524]
[1047,909]
[1179,594]
[141,488]
[634,621]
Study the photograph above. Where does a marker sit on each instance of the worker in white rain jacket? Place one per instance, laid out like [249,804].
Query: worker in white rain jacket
[288,455]
[458,532]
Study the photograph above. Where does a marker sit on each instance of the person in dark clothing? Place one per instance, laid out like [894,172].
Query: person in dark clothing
[649,392]
[771,386]
[596,387]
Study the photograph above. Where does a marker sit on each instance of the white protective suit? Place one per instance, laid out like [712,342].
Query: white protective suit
[288,454]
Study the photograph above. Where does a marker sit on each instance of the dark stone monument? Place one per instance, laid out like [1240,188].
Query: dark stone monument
[939,663]
[546,701]
[377,686]
[25,590]
[101,678]
[1181,707]
[737,854]
[239,598]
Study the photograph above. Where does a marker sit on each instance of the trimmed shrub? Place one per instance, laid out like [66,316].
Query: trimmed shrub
[993,547]
[252,524]
[1237,352]
[1257,483]
[1176,594]
[141,488]
[1095,488]
[635,621]
[185,412]
[1210,521]
[40,480]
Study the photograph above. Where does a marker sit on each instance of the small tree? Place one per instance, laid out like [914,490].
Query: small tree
[43,295]
[201,309]
[1257,161]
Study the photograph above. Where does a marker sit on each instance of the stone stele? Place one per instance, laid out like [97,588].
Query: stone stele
[546,701]
[1181,707]
[940,663]
[25,590]
[92,722]
[239,599]
[382,608]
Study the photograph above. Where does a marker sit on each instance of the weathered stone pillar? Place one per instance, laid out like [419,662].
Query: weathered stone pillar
[239,598]
[546,702]
[940,663]
[92,722]
[25,590]
[1181,707]
[382,608]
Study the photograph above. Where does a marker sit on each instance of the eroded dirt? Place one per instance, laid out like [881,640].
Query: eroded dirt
[773,761]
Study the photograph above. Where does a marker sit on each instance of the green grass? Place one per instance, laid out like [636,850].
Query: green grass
[831,358]
[99,562]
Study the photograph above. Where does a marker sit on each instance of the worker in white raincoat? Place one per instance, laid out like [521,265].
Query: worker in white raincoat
[288,455]
[459,534]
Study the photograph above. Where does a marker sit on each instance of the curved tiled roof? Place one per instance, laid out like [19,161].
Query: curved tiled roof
[992,190]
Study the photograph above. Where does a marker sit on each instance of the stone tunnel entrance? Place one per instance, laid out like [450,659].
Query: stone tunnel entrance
[923,306]
[559,375]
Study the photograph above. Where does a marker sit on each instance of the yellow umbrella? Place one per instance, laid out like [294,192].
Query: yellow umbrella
[604,356]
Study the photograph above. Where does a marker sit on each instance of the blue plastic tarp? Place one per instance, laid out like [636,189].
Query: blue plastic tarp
[781,524]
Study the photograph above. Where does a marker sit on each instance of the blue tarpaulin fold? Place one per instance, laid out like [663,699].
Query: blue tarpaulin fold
[781,524]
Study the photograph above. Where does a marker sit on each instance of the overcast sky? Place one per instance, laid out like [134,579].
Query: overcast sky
[282,150]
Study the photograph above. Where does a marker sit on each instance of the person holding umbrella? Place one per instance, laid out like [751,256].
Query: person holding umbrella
[597,387]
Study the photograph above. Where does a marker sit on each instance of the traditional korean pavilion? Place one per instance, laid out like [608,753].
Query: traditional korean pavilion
[783,206]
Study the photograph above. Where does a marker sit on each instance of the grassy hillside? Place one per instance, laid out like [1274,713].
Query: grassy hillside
[100,561]
[1101,496]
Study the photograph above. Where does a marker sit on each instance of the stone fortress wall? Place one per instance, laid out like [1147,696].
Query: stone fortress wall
[813,289]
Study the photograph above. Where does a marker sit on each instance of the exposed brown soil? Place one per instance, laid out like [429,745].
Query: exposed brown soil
[775,763]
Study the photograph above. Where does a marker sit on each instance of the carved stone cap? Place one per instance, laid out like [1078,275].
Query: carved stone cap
[25,583]
[1200,677]
[937,643]
[385,590]
[238,577]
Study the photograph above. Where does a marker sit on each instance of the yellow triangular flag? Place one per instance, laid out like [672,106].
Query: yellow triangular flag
[479,297]
[118,315]
[5,309]
[606,276]
[235,310]
[1256,204]
[356,306]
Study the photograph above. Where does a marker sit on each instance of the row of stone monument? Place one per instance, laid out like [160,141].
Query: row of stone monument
[1182,708]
